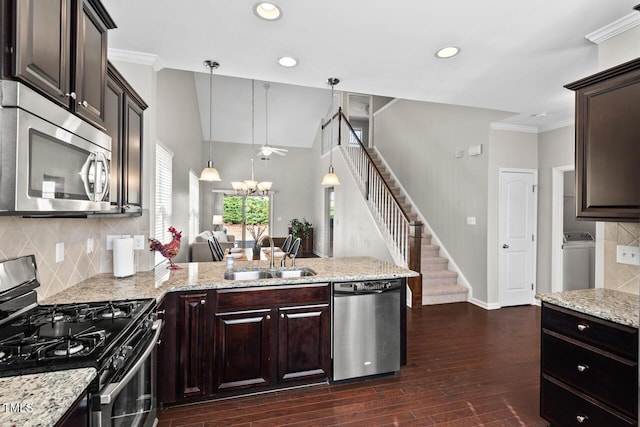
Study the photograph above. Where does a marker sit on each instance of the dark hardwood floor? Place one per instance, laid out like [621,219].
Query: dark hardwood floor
[465,367]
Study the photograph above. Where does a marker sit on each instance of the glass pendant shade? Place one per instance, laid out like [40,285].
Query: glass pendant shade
[330,179]
[210,173]
[264,185]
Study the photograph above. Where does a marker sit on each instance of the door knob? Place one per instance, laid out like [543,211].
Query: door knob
[505,246]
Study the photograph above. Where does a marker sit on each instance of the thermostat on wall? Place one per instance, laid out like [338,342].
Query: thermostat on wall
[475,150]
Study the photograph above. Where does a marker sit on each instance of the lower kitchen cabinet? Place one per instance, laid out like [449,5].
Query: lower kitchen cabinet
[232,341]
[184,350]
[589,370]
[243,350]
[304,343]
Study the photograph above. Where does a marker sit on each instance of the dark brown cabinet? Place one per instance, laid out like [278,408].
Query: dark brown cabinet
[244,342]
[607,148]
[124,123]
[184,351]
[60,48]
[239,340]
[304,343]
[271,337]
[589,370]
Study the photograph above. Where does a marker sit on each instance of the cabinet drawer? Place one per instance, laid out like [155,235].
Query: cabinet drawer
[618,339]
[563,406]
[604,376]
[243,298]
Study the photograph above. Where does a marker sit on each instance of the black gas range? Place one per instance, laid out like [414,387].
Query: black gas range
[117,338]
[67,336]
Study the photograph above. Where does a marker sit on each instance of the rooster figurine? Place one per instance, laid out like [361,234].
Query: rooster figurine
[169,250]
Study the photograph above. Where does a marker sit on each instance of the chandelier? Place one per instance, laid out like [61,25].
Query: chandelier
[250,187]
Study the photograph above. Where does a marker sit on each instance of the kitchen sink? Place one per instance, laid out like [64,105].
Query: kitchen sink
[261,273]
[293,272]
[268,273]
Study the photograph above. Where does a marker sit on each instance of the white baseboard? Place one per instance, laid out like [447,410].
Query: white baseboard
[482,304]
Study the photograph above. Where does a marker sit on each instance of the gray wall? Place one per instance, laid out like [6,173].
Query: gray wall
[292,177]
[178,128]
[555,148]
[419,141]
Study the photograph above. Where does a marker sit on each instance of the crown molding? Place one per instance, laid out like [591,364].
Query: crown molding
[557,125]
[513,128]
[617,27]
[136,58]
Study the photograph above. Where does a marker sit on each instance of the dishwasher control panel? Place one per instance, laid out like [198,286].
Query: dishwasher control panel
[367,286]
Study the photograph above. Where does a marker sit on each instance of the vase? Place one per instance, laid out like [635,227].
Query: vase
[256,251]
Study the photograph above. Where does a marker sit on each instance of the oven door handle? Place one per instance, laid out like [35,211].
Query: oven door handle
[113,389]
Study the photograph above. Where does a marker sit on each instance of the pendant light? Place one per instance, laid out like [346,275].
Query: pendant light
[210,173]
[251,186]
[331,179]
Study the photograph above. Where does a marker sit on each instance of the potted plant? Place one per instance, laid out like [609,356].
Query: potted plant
[304,230]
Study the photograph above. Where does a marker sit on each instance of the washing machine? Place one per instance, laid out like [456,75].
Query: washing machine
[578,251]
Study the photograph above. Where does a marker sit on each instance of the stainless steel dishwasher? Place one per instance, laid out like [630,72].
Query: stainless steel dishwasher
[366,328]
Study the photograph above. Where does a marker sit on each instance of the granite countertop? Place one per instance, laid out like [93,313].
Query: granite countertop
[41,399]
[608,304]
[210,275]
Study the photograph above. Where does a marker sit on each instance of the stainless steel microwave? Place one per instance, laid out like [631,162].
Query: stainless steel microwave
[52,161]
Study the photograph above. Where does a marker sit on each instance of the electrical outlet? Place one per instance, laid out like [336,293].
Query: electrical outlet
[628,255]
[60,252]
[138,242]
[90,245]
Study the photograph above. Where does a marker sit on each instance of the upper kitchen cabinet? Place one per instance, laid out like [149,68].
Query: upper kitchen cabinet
[60,48]
[608,144]
[123,122]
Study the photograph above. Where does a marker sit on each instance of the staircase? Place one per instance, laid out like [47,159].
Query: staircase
[439,285]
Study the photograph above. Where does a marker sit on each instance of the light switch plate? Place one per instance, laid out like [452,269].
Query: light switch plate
[471,220]
[60,252]
[138,242]
[628,255]
[90,245]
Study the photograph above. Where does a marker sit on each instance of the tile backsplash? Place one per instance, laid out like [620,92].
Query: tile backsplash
[25,236]
[622,277]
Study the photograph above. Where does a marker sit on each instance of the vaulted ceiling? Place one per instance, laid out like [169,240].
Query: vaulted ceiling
[515,55]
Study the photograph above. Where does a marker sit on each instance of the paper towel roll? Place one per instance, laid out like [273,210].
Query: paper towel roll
[123,261]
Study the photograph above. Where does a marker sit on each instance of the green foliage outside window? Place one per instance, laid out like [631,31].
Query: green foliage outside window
[257,210]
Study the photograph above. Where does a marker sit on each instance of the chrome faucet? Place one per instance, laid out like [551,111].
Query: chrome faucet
[266,236]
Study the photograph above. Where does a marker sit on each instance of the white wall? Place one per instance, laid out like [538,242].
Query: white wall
[619,49]
[507,149]
[419,140]
[555,148]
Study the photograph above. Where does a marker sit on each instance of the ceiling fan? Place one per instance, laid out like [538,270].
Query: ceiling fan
[266,150]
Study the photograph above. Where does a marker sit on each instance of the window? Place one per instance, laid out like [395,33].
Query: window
[164,211]
[194,206]
[352,137]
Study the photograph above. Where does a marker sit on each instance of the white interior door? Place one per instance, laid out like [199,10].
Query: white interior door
[517,219]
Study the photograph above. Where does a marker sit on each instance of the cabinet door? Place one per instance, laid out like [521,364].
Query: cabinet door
[243,350]
[113,121]
[192,343]
[43,46]
[303,343]
[91,64]
[132,155]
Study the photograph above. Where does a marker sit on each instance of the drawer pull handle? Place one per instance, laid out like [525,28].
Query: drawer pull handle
[582,368]
[581,418]
[582,327]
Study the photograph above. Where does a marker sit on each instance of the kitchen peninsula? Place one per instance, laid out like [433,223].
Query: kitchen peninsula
[285,321]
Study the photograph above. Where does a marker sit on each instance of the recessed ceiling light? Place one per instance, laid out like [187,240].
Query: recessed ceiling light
[539,115]
[267,11]
[287,61]
[447,52]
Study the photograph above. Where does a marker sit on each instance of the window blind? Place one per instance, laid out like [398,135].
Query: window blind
[164,186]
